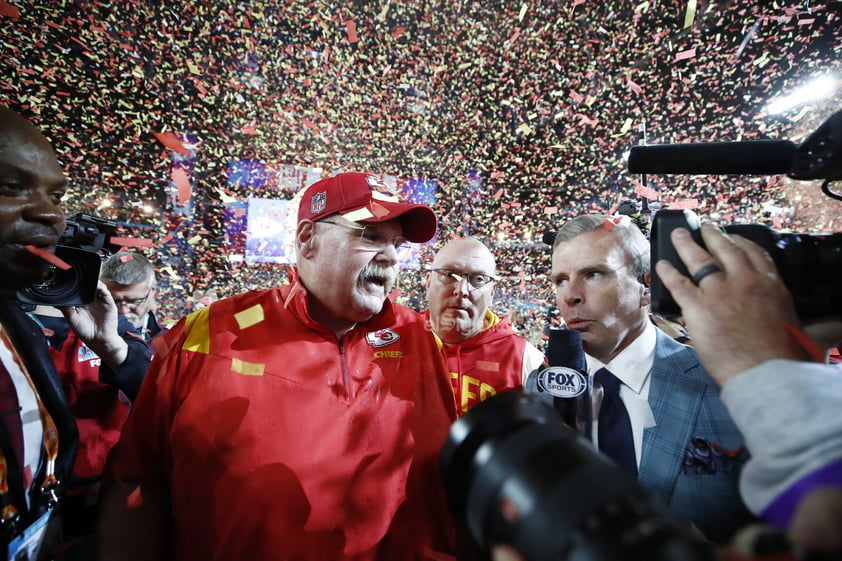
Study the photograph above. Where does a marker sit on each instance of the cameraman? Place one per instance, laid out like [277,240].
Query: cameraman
[122,356]
[130,278]
[38,436]
[42,413]
[775,383]
[101,362]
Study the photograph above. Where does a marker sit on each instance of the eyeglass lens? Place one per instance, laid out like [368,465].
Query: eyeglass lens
[476,280]
[132,302]
[373,239]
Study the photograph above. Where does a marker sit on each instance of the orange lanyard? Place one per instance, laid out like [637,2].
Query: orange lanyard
[8,512]
[48,487]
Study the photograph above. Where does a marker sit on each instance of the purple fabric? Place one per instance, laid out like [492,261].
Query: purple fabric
[780,511]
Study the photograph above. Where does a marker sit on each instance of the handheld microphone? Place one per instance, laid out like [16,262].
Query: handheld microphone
[755,157]
[565,379]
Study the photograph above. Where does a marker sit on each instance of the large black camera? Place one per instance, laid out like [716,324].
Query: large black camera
[83,246]
[518,475]
[809,264]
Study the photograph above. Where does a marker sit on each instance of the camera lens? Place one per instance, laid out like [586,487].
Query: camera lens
[74,287]
[518,475]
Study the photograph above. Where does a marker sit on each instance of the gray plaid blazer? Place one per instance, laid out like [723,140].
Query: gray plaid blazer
[693,456]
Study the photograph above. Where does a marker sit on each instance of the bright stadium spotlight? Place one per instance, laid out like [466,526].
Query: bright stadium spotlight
[818,88]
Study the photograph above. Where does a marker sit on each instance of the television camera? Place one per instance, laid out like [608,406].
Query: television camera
[84,245]
[809,264]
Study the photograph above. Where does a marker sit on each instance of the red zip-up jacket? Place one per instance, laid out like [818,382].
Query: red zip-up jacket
[277,441]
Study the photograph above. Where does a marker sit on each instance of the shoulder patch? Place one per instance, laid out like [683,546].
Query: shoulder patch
[198,333]
[249,316]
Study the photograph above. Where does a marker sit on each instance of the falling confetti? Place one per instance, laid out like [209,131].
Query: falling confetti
[169,117]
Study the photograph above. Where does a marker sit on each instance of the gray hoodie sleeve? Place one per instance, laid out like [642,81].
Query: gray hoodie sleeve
[791,416]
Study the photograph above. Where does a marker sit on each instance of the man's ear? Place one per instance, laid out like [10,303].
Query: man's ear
[646,297]
[306,239]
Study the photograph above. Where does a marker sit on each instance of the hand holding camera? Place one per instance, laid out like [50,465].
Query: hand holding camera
[736,313]
[97,325]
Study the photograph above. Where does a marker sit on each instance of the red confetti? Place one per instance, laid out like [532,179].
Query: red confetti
[131,242]
[684,55]
[9,10]
[182,182]
[351,29]
[49,257]
[645,192]
[634,87]
[172,142]
[688,204]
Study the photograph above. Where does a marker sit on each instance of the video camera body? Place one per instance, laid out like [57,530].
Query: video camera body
[86,242]
[640,212]
[810,265]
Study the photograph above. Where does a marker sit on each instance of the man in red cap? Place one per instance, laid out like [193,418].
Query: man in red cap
[302,422]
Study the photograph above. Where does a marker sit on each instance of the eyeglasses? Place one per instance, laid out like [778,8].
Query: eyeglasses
[371,239]
[476,280]
[133,303]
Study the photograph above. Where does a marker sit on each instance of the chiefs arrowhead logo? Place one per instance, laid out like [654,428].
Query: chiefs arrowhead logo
[381,338]
[377,184]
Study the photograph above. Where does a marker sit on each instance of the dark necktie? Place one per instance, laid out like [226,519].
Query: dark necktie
[615,432]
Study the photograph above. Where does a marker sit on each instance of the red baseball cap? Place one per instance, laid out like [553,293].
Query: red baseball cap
[362,197]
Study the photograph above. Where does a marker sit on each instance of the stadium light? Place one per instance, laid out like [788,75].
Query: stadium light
[818,88]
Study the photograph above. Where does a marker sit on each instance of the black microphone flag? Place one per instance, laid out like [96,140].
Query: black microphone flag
[564,381]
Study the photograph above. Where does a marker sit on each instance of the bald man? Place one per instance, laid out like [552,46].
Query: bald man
[484,354]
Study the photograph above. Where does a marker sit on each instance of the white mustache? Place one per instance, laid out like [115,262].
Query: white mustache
[386,274]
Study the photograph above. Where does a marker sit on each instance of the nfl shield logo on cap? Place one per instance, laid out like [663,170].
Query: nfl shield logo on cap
[318,202]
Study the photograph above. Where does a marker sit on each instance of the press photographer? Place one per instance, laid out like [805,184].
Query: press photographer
[774,382]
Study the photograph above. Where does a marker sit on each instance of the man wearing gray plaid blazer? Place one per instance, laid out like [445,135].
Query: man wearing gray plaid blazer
[687,449]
